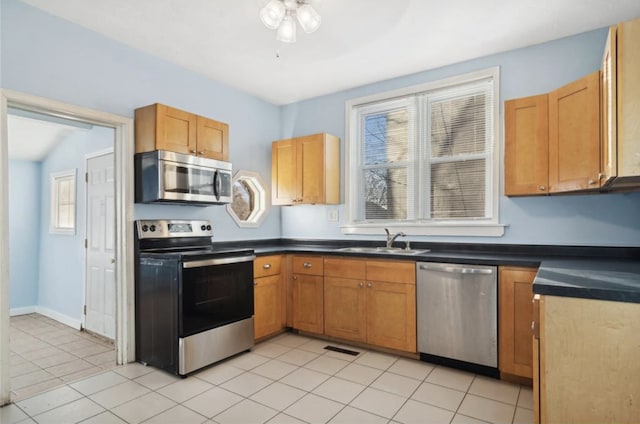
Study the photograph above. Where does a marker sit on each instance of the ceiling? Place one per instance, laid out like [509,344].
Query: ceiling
[359,41]
[31,136]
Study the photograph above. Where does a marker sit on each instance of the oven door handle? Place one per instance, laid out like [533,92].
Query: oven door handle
[218,261]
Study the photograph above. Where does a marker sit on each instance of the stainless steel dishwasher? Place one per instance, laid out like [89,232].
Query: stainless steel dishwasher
[457,316]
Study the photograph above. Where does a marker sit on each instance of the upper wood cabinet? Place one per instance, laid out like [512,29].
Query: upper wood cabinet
[621,107]
[515,311]
[526,155]
[306,170]
[161,127]
[574,135]
[552,142]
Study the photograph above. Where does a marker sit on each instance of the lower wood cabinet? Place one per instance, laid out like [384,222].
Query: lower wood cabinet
[515,315]
[588,361]
[308,294]
[371,301]
[268,296]
[345,312]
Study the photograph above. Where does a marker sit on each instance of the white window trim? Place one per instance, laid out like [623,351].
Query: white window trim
[490,227]
[53,207]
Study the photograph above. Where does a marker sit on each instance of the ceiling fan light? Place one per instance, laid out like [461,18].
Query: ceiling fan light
[287,30]
[308,17]
[290,4]
[272,14]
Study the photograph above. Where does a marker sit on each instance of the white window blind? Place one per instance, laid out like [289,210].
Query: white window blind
[425,157]
[459,142]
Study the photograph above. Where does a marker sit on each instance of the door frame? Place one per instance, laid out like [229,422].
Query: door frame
[123,156]
[87,157]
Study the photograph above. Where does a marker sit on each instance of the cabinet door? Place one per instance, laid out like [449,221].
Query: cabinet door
[628,93]
[391,315]
[608,93]
[268,306]
[526,151]
[516,315]
[344,308]
[283,172]
[308,303]
[574,135]
[310,169]
[212,139]
[176,130]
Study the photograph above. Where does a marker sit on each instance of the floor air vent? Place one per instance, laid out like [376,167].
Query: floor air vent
[341,350]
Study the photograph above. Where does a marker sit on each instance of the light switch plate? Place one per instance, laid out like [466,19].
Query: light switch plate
[332,215]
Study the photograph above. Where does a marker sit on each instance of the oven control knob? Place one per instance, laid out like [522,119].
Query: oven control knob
[145,228]
[203,227]
[208,227]
[152,228]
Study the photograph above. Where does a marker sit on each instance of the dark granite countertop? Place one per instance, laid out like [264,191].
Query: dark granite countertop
[605,279]
[605,273]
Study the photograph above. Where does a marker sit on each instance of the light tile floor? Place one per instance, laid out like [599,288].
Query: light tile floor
[46,354]
[288,379]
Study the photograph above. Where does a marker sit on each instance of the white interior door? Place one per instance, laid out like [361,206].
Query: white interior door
[100,291]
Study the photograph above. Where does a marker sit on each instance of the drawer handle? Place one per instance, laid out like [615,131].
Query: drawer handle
[306,265]
[266,266]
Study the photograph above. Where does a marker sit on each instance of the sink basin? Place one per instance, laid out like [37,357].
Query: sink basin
[382,250]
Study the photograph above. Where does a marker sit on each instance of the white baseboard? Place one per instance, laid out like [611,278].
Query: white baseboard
[67,320]
[50,313]
[22,311]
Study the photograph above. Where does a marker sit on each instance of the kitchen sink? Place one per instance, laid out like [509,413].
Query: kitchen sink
[383,250]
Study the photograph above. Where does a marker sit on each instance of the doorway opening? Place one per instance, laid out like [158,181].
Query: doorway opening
[121,258]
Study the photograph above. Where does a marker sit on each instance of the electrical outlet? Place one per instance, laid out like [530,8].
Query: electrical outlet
[332,215]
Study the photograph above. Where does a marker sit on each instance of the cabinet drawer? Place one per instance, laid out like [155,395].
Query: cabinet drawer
[264,266]
[344,268]
[391,271]
[311,265]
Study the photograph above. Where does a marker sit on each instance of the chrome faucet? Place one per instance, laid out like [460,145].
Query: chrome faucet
[391,239]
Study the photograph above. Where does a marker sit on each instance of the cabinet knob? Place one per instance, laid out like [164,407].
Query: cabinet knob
[360,284]
[592,182]
[542,188]
[306,265]
[193,151]
[295,278]
[266,266]
[201,152]
[255,283]
[369,285]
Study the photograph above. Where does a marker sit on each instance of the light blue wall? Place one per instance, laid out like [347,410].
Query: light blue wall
[52,58]
[24,232]
[61,264]
[47,56]
[611,219]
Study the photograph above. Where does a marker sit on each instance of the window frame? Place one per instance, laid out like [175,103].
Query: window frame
[262,199]
[55,179]
[489,227]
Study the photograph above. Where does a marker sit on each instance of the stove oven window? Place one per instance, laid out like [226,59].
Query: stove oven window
[215,295]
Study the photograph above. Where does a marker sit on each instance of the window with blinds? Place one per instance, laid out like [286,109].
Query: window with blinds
[425,157]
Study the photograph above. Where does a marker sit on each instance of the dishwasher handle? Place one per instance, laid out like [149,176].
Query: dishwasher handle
[456,269]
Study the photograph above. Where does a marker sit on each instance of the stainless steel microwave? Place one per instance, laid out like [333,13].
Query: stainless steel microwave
[170,177]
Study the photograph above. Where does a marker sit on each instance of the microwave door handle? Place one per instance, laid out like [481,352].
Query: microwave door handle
[217,184]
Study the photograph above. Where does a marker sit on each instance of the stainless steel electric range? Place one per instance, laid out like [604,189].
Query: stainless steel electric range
[194,303]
